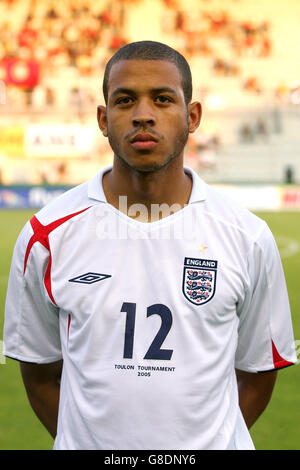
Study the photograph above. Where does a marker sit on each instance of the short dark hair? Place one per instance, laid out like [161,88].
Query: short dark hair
[152,50]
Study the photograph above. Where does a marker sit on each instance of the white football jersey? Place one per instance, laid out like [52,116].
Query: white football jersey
[150,319]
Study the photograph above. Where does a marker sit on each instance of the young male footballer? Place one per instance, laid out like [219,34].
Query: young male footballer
[148,311]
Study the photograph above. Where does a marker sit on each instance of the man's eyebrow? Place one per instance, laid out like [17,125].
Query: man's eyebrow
[129,91]
[124,91]
[164,89]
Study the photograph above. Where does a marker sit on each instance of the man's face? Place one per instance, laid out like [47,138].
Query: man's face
[146,119]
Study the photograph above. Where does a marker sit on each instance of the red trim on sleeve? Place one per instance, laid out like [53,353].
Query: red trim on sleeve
[278,360]
[41,234]
[69,324]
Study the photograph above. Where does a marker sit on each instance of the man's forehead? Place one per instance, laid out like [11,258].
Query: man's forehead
[137,73]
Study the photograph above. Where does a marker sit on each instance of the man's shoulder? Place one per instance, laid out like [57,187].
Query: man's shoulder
[70,205]
[72,201]
[226,209]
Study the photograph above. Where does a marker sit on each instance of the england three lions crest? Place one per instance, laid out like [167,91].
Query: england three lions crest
[199,280]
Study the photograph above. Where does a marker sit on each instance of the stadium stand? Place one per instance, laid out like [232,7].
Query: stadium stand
[52,57]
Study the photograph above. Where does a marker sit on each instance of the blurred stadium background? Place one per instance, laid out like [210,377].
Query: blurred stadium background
[244,59]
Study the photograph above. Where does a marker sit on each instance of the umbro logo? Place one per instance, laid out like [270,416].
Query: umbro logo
[89,278]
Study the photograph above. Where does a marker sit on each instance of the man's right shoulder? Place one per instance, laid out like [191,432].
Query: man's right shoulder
[71,201]
[66,206]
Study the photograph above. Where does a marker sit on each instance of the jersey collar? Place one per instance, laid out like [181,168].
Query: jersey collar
[198,192]
[95,187]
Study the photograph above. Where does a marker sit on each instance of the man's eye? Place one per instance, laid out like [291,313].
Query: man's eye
[124,100]
[163,99]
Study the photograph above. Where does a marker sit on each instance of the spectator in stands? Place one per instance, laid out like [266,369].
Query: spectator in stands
[260,130]
[28,34]
[265,49]
[252,84]
[246,133]
[49,96]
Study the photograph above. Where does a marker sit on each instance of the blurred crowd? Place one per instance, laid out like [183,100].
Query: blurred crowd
[215,34]
[72,40]
[51,36]
[61,34]
[200,27]
[42,39]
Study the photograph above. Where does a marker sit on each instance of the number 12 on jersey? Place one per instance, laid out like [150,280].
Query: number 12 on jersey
[154,351]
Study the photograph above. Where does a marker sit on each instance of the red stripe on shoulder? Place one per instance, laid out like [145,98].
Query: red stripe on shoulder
[41,234]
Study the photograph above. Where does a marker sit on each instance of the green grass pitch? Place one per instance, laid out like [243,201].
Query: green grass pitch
[278,427]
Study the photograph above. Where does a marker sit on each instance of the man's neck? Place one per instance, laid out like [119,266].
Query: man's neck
[148,196]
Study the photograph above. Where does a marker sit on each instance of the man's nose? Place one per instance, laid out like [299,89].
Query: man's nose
[143,113]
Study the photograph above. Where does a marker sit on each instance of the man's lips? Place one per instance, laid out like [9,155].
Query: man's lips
[143,141]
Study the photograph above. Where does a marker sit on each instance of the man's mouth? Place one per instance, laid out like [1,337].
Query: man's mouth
[143,141]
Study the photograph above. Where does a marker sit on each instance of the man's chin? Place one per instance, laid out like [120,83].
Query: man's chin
[147,168]
[146,164]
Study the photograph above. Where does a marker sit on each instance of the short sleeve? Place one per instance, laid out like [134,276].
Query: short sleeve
[265,334]
[31,323]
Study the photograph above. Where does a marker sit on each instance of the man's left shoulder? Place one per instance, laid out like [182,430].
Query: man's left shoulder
[230,211]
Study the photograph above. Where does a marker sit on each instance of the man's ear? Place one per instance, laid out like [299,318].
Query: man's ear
[194,113]
[101,118]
